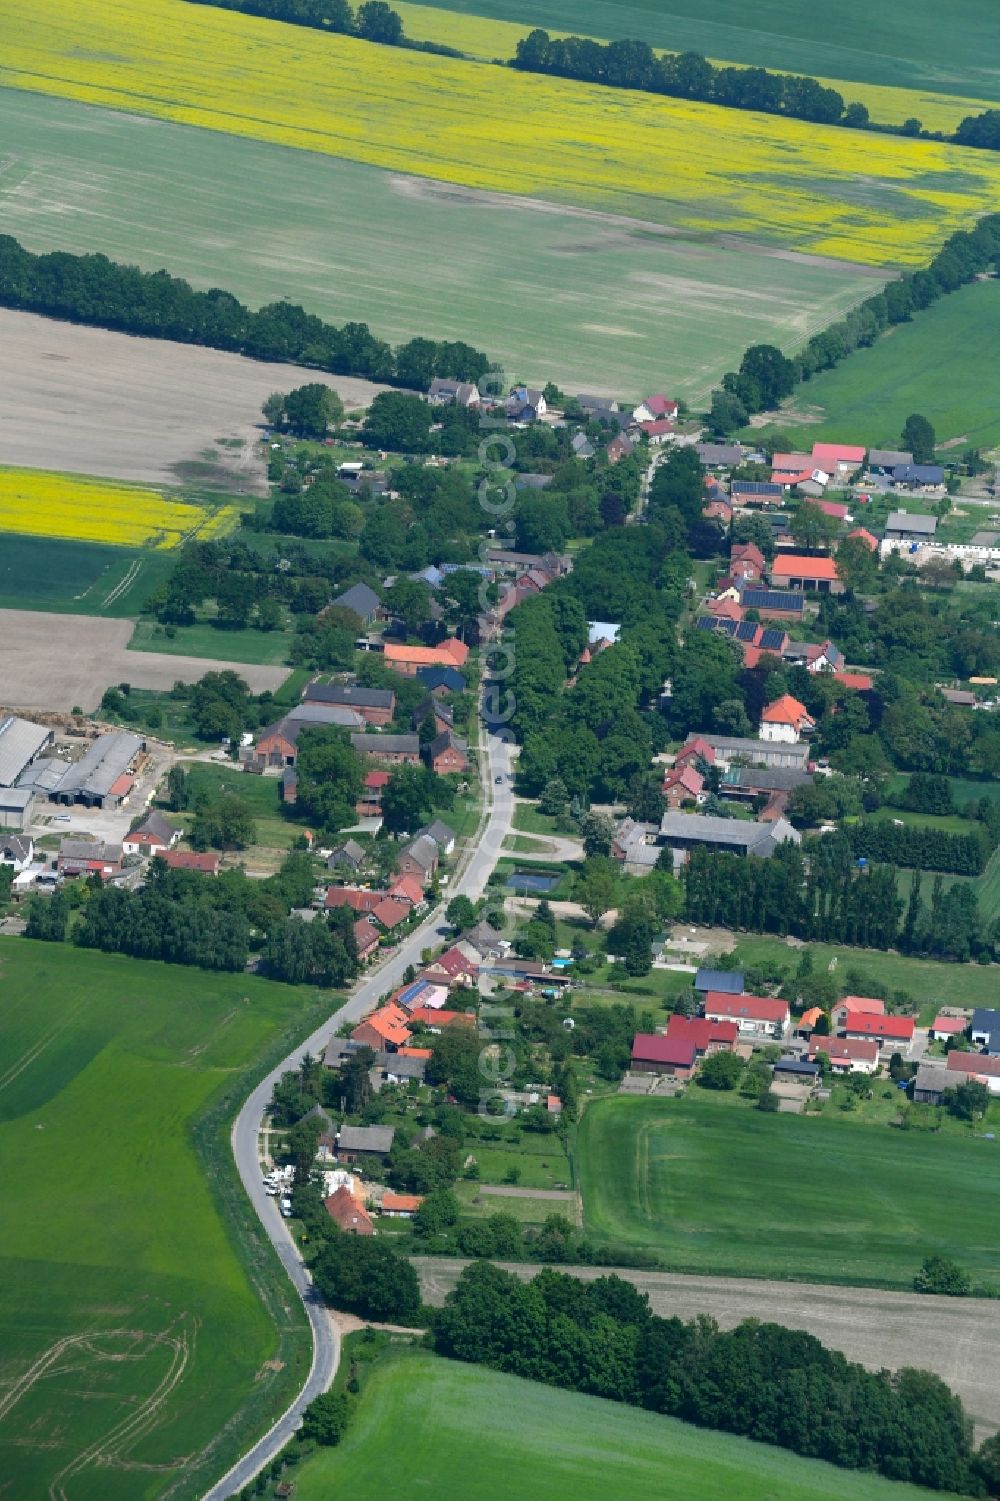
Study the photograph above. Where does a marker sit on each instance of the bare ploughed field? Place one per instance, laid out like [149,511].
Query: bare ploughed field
[58,661]
[957,1338]
[89,401]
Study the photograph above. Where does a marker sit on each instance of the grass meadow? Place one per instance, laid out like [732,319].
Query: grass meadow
[930,983]
[458,1431]
[714,1186]
[559,295]
[137,1351]
[884,200]
[939,365]
[203,639]
[901,43]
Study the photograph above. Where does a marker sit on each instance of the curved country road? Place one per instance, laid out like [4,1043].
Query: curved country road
[246,1128]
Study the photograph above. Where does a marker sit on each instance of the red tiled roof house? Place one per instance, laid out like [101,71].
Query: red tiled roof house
[653,1054]
[756,1016]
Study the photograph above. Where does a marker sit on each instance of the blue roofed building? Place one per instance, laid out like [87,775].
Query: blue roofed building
[729,981]
[986,1030]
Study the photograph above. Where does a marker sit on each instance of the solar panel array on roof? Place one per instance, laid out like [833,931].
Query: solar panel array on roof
[707,623]
[772,640]
[756,487]
[728,627]
[772,599]
[746,630]
[410,994]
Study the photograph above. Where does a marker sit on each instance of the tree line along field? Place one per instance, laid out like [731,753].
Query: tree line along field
[711,1185]
[459,1431]
[897,43]
[885,200]
[941,364]
[136,1347]
[568,296]
[480,33]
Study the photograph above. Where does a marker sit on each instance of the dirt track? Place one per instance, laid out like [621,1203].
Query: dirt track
[958,1338]
[58,661]
[93,402]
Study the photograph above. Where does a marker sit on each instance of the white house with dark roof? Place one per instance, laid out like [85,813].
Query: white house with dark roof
[151,836]
[17,850]
[462,393]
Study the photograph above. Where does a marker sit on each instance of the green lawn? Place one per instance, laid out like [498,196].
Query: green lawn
[540,1160]
[428,1426]
[275,832]
[477,1203]
[259,793]
[527,844]
[529,820]
[127,1314]
[713,1185]
[47,573]
[568,296]
[899,42]
[940,364]
[204,639]
[945,823]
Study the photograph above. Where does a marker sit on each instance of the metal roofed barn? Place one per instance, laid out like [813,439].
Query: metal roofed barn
[20,742]
[91,779]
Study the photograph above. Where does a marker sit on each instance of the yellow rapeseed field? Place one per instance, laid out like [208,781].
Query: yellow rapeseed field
[72,506]
[485,38]
[875,199]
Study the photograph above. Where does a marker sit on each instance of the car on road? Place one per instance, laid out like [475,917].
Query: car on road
[498,780]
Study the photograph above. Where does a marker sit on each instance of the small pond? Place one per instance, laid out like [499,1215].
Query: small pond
[530,880]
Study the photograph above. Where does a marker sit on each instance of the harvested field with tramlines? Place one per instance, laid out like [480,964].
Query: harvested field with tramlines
[885,200]
[135,1344]
[55,661]
[957,1339]
[94,402]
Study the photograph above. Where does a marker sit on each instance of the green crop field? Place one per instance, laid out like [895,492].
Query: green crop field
[584,299]
[136,1347]
[713,1185]
[899,42]
[462,1433]
[941,364]
[79,578]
